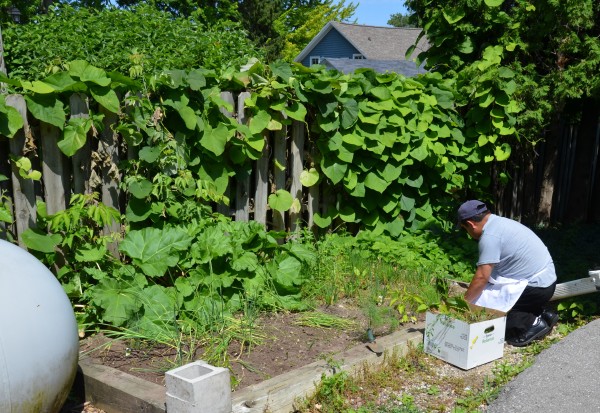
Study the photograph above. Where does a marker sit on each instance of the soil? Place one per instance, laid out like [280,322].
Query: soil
[285,345]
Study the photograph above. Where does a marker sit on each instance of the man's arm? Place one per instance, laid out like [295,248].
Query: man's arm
[479,281]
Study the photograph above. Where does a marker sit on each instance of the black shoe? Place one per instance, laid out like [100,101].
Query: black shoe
[550,318]
[537,331]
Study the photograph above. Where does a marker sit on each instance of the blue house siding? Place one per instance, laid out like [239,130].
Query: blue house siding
[333,44]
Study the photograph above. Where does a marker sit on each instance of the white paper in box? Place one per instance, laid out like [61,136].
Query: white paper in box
[465,345]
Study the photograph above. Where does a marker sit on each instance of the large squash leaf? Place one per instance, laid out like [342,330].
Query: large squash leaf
[155,250]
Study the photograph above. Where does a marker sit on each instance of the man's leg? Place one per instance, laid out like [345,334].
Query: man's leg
[526,310]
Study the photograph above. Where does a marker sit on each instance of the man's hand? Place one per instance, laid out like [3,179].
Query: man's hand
[479,281]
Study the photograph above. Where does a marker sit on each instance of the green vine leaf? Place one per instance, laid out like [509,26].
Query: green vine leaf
[24,165]
[10,119]
[74,135]
[41,241]
[502,152]
[106,97]
[349,114]
[215,139]
[47,109]
[296,110]
[281,200]
[334,170]
[453,15]
[88,73]
[309,177]
[140,189]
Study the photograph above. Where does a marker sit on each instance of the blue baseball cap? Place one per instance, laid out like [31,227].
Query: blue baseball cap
[470,208]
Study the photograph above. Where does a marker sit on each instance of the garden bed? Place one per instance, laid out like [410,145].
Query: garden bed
[285,345]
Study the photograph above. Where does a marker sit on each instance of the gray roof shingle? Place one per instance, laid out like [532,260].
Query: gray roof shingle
[382,43]
[373,42]
[407,68]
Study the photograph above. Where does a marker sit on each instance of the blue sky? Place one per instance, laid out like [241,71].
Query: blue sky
[377,12]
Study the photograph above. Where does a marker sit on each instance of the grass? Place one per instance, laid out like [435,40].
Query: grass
[417,382]
[323,320]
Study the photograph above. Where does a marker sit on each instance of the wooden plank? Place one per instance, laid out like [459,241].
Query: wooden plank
[23,189]
[221,207]
[281,393]
[81,160]
[54,170]
[296,166]
[279,160]
[108,151]
[262,185]
[117,392]
[242,190]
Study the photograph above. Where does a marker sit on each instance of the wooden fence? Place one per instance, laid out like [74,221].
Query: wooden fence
[94,167]
[558,182]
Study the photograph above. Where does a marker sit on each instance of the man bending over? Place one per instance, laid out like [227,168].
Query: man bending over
[515,273]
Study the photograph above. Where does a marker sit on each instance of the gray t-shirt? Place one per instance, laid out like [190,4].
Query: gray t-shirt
[516,252]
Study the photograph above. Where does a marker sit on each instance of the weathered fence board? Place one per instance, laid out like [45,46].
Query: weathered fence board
[242,193]
[221,207]
[279,172]
[296,166]
[81,160]
[23,196]
[262,186]
[55,171]
[108,157]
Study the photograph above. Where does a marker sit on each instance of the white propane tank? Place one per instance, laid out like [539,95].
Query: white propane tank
[39,344]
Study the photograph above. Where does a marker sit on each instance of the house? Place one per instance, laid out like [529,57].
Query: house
[347,47]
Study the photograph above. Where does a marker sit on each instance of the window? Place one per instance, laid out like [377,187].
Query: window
[315,60]
[358,56]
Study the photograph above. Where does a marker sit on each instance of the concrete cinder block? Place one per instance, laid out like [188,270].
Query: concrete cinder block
[198,387]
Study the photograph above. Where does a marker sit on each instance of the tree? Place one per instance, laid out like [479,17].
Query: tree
[205,10]
[552,46]
[401,20]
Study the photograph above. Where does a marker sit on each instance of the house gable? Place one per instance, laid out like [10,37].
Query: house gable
[330,44]
[344,40]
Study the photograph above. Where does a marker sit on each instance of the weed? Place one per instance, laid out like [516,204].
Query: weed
[323,320]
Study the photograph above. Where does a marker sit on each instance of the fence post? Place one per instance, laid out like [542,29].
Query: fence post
[23,189]
[262,184]
[221,207]
[280,146]
[82,158]
[54,170]
[242,190]
[108,151]
[296,164]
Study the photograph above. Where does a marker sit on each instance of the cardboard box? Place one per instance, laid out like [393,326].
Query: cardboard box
[462,344]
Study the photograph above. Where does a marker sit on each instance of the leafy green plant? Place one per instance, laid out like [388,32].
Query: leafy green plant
[330,392]
[110,38]
[577,308]
[72,242]
[5,209]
